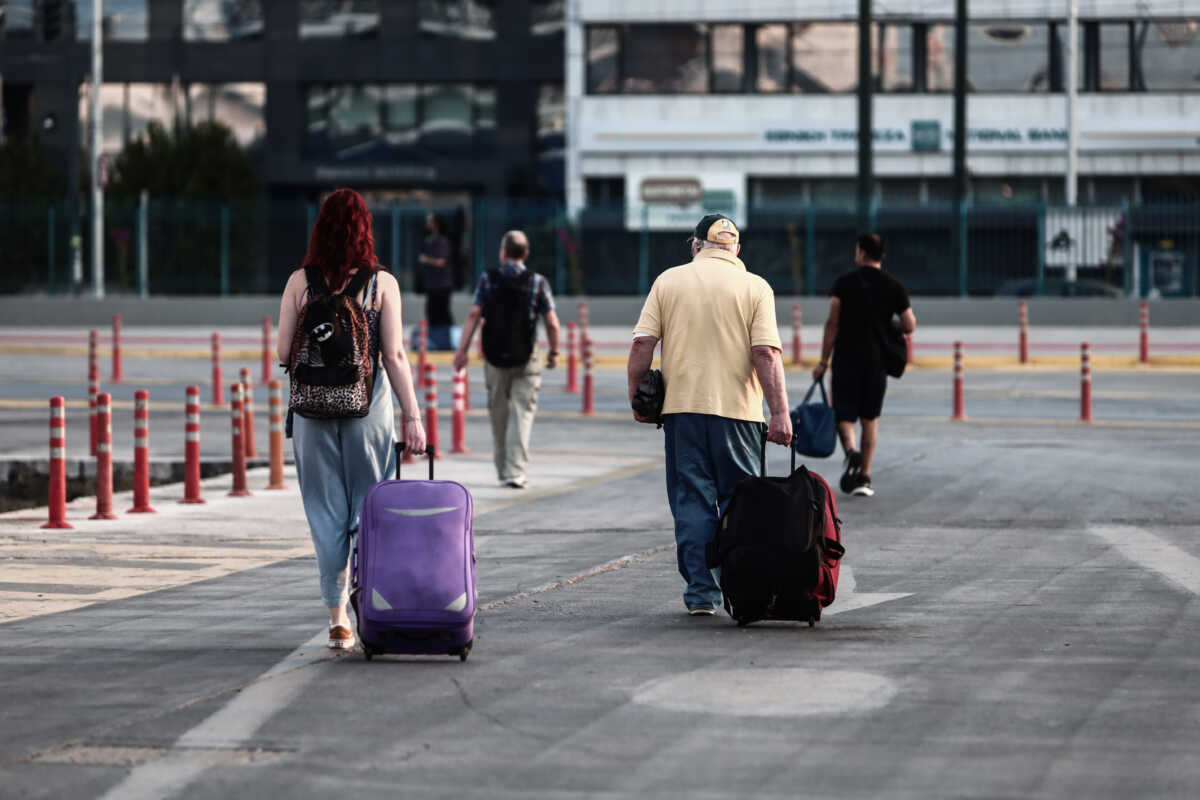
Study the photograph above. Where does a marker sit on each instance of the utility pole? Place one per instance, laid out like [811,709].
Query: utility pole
[960,142]
[97,146]
[1072,187]
[866,143]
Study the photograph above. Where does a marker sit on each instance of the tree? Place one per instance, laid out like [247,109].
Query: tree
[29,186]
[195,180]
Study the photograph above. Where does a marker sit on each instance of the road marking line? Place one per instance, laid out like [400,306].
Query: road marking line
[1151,552]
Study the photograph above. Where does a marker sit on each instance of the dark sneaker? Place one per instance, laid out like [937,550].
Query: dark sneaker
[853,465]
[862,486]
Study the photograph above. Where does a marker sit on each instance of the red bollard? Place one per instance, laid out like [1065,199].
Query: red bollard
[93,390]
[1023,336]
[191,448]
[117,372]
[217,397]
[141,453]
[239,449]
[275,418]
[458,419]
[959,414]
[58,465]
[1144,343]
[431,410]
[1085,385]
[572,364]
[248,413]
[796,317]
[466,384]
[104,476]
[423,346]
[266,350]
[589,386]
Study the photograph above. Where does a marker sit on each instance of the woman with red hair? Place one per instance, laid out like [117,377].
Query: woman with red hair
[338,460]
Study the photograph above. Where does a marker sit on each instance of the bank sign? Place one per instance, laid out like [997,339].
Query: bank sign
[910,136]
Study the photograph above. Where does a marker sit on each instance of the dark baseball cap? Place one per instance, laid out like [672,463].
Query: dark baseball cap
[717,228]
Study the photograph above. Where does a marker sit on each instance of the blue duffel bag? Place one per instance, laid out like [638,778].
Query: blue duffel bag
[814,425]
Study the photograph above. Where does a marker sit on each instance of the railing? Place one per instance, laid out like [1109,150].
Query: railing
[169,246]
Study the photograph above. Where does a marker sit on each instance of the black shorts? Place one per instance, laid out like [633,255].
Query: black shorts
[858,391]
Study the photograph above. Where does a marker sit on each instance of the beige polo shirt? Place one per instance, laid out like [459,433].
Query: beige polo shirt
[708,314]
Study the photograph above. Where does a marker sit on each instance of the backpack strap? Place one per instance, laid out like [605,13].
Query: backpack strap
[356,284]
[316,281]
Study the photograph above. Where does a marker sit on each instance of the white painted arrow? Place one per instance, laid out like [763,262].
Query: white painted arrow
[850,599]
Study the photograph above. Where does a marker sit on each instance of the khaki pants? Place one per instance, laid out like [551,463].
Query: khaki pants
[512,402]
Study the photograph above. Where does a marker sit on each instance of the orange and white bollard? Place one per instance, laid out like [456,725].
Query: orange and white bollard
[239,448]
[959,413]
[117,371]
[104,474]
[1023,336]
[93,390]
[572,362]
[248,413]
[58,465]
[191,447]
[217,396]
[458,411]
[422,346]
[431,410]
[796,317]
[266,350]
[275,407]
[1085,382]
[1144,339]
[589,386]
[141,453]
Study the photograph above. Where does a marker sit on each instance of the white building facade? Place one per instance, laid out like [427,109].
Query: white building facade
[676,107]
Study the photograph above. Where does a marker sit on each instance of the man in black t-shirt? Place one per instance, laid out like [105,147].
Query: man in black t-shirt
[851,338]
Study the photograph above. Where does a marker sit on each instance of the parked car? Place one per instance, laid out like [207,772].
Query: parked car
[1059,287]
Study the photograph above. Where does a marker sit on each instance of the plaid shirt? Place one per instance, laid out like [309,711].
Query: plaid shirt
[541,302]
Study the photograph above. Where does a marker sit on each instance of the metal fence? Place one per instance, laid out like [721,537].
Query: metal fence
[167,246]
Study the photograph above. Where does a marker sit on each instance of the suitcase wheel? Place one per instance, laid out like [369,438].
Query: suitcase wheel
[811,622]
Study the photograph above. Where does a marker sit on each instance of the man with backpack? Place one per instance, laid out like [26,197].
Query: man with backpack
[509,300]
[866,306]
[721,357]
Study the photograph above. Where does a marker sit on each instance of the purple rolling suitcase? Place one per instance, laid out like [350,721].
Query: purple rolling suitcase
[413,567]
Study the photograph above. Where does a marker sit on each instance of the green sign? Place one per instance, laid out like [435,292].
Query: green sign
[926,136]
[719,200]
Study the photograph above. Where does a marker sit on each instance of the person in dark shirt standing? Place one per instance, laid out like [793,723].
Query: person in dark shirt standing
[851,339]
[438,274]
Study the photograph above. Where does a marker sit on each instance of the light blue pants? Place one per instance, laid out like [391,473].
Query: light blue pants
[707,456]
[337,461]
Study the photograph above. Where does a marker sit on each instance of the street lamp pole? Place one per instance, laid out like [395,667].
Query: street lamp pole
[97,145]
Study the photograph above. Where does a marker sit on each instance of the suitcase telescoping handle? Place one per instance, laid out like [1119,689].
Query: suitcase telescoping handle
[400,458]
[762,453]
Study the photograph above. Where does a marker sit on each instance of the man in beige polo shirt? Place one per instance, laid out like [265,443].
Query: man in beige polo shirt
[721,356]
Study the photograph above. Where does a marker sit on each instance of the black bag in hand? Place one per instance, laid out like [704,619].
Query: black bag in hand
[650,395]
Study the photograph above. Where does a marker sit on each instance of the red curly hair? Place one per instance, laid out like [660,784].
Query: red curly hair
[342,239]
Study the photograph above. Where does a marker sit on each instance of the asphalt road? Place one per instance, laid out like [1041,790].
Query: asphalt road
[1018,620]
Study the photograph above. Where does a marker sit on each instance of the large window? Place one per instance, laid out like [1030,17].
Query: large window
[771,51]
[338,17]
[238,106]
[17,15]
[1167,55]
[546,17]
[603,60]
[123,20]
[894,57]
[379,122]
[128,110]
[222,20]
[728,58]
[463,19]
[1008,57]
[824,57]
[665,59]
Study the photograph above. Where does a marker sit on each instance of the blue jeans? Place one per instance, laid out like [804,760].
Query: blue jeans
[707,456]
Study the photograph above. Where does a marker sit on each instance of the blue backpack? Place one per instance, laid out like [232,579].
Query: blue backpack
[814,425]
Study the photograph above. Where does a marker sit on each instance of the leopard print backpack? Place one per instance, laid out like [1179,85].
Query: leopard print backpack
[330,367]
